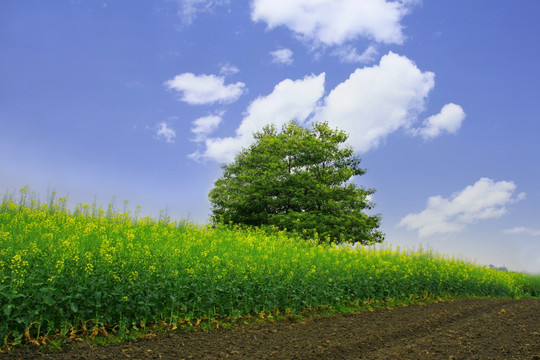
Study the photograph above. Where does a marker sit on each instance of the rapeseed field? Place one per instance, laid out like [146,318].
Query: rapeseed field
[91,270]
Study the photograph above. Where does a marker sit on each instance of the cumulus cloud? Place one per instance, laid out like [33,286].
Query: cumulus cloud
[165,132]
[282,56]
[376,101]
[334,22]
[349,54]
[448,120]
[372,103]
[485,199]
[522,230]
[205,89]
[204,126]
[290,99]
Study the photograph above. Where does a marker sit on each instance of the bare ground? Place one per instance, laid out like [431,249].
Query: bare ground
[464,329]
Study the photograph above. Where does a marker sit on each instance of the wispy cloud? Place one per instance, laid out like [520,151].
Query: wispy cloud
[523,230]
[349,54]
[163,131]
[228,69]
[204,126]
[134,85]
[188,9]
[486,199]
[205,89]
[282,56]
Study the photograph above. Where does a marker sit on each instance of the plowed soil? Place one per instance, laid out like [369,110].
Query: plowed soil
[464,329]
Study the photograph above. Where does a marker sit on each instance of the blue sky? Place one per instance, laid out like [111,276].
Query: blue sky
[142,100]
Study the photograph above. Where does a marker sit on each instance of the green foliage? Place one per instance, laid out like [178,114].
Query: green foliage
[65,271]
[532,285]
[299,180]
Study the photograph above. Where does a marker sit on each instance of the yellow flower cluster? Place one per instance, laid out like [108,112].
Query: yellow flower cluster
[142,269]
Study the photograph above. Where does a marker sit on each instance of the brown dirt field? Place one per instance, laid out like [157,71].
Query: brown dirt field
[464,329]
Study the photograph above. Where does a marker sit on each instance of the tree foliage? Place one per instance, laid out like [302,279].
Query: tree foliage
[300,180]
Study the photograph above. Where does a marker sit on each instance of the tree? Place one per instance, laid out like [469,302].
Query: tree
[297,179]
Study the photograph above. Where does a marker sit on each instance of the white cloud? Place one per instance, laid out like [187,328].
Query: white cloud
[485,199]
[334,22]
[205,89]
[188,9]
[134,85]
[348,54]
[204,126]
[449,120]
[372,103]
[228,69]
[523,230]
[376,101]
[290,99]
[164,131]
[282,56]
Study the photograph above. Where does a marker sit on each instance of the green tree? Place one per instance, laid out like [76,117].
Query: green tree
[300,180]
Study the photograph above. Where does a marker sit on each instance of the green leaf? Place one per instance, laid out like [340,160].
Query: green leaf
[8,308]
[47,299]
[74,307]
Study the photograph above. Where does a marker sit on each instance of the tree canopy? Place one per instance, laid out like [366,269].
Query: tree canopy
[298,179]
